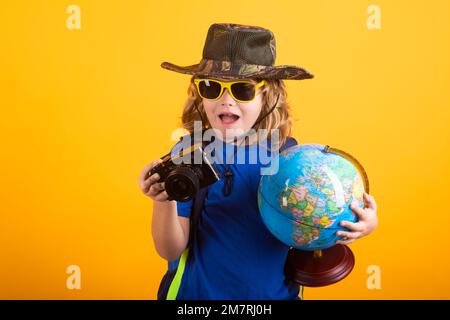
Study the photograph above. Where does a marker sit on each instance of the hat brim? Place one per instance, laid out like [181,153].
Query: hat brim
[227,70]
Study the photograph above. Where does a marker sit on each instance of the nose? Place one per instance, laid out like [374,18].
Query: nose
[226,98]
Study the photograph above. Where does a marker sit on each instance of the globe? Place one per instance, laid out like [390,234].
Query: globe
[303,203]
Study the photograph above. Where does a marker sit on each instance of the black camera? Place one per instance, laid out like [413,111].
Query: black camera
[186,172]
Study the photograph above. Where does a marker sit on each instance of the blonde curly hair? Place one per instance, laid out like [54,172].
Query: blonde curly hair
[280,118]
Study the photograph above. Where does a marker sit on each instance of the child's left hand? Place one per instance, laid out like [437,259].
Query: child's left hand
[367,222]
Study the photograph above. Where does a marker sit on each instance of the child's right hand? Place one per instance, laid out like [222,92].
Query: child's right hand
[149,185]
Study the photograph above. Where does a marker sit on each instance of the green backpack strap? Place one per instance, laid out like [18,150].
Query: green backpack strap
[197,207]
[176,282]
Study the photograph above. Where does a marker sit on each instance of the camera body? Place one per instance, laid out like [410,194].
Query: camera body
[186,173]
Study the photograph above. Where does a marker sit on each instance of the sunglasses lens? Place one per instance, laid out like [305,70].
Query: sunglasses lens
[243,91]
[209,89]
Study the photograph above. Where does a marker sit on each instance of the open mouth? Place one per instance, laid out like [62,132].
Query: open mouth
[228,118]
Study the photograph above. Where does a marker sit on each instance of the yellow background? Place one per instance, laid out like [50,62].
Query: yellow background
[83,111]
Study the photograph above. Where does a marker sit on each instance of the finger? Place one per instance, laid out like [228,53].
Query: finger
[144,173]
[162,196]
[155,189]
[153,178]
[146,184]
[359,211]
[145,181]
[358,226]
[159,186]
[149,182]
[349,235]
[370,200]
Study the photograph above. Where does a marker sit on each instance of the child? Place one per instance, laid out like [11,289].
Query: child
[234,256]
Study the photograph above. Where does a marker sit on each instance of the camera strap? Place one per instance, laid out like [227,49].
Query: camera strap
[228,174]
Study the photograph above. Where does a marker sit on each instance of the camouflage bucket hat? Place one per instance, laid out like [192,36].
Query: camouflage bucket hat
[235,51]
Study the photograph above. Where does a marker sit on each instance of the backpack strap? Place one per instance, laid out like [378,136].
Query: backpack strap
[290,141]
[196,210]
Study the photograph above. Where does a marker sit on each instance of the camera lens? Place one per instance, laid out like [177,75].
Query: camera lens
[182,184]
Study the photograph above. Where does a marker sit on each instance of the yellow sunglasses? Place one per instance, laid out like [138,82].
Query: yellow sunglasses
[240,90]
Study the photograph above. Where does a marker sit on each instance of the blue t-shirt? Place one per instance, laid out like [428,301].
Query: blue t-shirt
[235,256]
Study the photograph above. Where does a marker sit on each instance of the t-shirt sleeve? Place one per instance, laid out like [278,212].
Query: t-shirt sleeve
[184,208]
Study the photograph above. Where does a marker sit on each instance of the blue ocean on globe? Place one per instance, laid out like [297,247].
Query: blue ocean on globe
[303,202]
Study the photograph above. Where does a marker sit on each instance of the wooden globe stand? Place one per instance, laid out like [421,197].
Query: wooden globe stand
[321,267]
